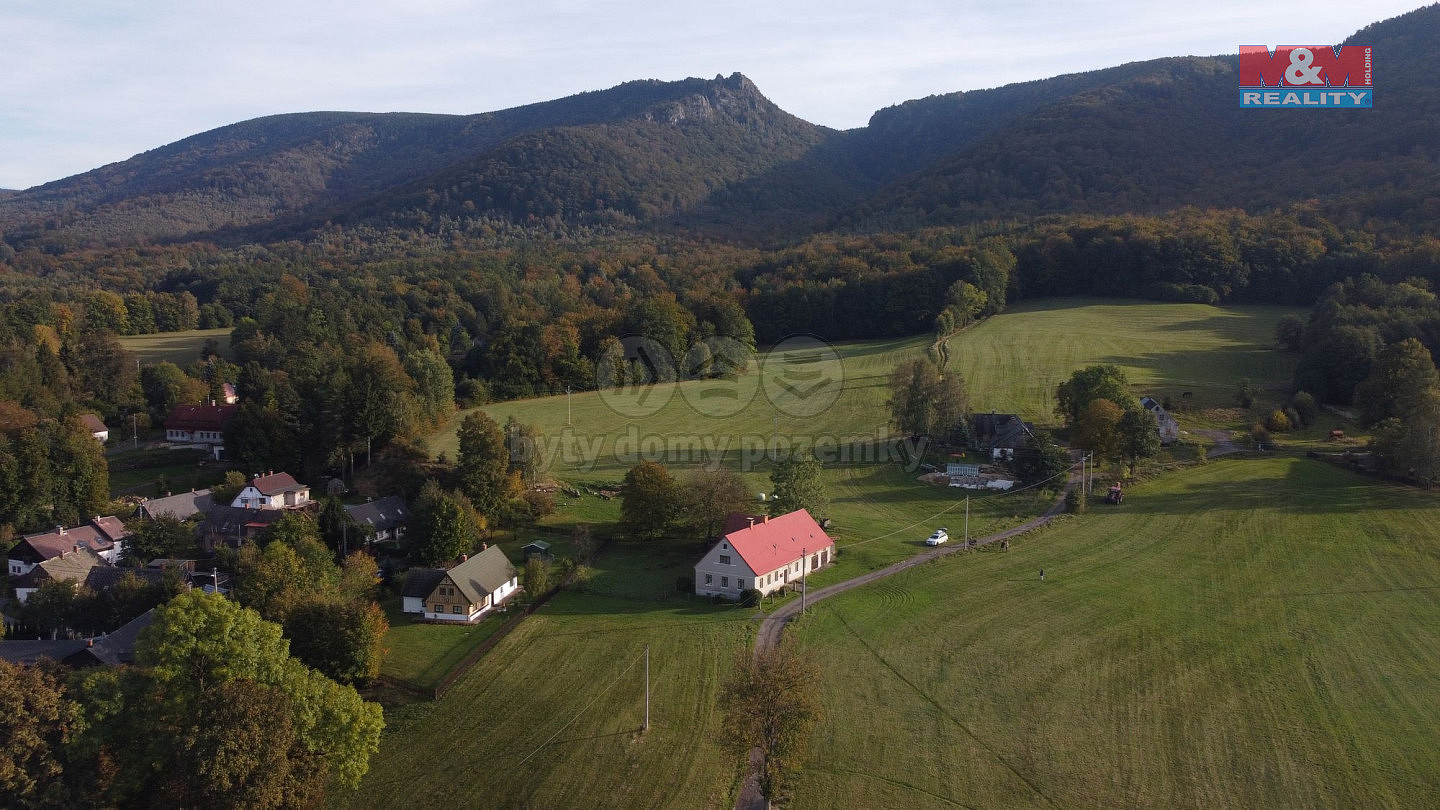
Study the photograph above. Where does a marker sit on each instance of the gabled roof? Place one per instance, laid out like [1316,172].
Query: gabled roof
[421,582]
[92,423]
[103,577]
[779,541]
[180,507]
[276,483]
[228,520]
[28,651]
[483,574]
[72,565]
[1003,430]
[386,513]
[114,648]
[199,417]
[100,534]
[539,545]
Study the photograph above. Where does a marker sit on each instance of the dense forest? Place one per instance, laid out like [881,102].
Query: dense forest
[378,270]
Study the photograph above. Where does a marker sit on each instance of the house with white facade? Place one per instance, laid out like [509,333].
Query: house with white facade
[464,593]
[1165,424]
[273,491]
[765,555]
[96,427]
[386,518]
[202,425]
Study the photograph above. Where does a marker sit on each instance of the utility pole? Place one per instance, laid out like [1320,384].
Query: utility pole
[567,405]
[967,520]
[647,688]
[804,569]
[135,431]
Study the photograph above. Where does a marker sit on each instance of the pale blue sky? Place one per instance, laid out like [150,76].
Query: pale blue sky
[92,82]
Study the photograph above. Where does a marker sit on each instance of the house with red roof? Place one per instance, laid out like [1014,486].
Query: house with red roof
[198,424]
[766,554]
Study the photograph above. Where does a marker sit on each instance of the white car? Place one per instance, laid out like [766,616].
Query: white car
[940,536]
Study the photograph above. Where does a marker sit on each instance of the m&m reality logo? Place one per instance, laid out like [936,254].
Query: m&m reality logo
[1305,76]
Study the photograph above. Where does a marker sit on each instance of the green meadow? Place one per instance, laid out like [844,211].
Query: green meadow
[1173,656]
[1250,633]
[180,348]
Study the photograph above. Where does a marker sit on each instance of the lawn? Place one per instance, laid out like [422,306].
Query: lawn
[1014,361]
[422,654]
[140,472]
[551,717]
[180,348]
[1249,633]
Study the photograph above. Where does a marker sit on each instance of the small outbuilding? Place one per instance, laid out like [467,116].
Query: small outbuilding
[536,548]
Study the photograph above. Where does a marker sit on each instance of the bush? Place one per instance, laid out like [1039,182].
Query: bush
[1076,503]
[1278,422]
[685,584]
[750,597]
[1259,434]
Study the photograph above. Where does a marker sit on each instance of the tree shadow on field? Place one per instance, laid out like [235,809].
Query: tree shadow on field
[1303,490]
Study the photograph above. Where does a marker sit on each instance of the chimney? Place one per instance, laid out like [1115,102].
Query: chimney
[465,557]
[767,518]
[60,530]
[751,519]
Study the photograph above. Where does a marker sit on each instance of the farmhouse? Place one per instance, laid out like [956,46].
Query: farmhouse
[765,555]
[463,593]
[387,518]
[1166,426]
[199,424]
[103,535]
[1001,434]
[260,504]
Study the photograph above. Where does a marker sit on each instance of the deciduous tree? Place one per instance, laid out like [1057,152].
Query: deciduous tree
[650,502]
[796,483]
[771,702]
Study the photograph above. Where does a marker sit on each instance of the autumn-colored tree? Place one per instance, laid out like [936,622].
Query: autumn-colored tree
[650,503]
[1097,426]
[771,702]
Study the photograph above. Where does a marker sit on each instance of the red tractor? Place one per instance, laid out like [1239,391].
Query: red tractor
[1115,495]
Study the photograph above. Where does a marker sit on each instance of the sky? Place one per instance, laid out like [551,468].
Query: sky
[91,82]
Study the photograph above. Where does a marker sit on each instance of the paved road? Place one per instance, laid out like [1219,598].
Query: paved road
[774,624]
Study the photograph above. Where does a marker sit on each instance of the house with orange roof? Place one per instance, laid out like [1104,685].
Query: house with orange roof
[766,554]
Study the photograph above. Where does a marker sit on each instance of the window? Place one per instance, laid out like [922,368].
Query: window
[439,608]
[709,578]
[458,610]
[724,559]
[740,583]
[815,561]
[724,582]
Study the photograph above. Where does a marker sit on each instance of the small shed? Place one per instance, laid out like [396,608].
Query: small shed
[536,548]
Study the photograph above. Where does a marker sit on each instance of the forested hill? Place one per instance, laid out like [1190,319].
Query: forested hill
[1168,133]
[715,156]
[641,148]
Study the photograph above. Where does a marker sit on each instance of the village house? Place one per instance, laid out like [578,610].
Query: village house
[464,593]
[273,491]
[387,518]
[180,507]
[1001,434]
[261,503]
[112,649]
[96,427]
[103,535]
[765,555]
[1166,426]
[202,425]
[73,566]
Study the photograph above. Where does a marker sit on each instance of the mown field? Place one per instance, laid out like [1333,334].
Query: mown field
[1014,361]
[521,728]
[180,348]
[1250,633]
[551,717]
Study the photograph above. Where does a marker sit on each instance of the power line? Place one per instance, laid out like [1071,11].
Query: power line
[576,716]
[956,505]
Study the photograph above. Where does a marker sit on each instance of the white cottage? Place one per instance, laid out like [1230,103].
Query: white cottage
[1165,424]
[273,491]
[765,555]
[464,593]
